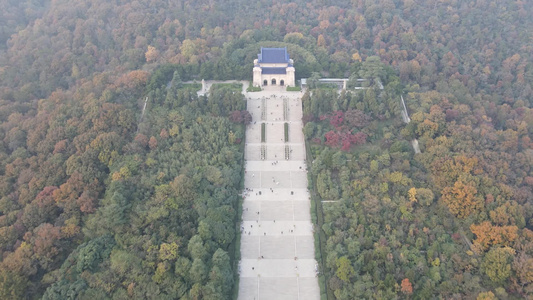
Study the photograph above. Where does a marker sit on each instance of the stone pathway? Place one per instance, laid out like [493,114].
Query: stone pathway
[277,243]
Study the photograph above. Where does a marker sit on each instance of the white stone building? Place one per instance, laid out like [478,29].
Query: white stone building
[273,67]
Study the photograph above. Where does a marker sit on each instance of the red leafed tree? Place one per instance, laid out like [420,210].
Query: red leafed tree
[141,139]
[246,117]
[45,238]
[152,143]
[164,134]
[133,80]
[308,118]
[407,287]
[346,142]
[87,202]
[332,138]
[336,119]
[357,118]
[41,209]
[240,116]
[235,116]
[358,138]
[60,146]
[44,198]
[344,139]
[451,114]
[68,192]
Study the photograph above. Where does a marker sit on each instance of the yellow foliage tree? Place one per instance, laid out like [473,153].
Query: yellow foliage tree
[71,228]
[486,296]
[160,272]
[396,177]
[168,251]
[116,176]
[427,128]
[188,48]
[412,195]
[293,37]
[125,172]
[321,42]
[231,137]
[151,54]
[345,269]
[175,130]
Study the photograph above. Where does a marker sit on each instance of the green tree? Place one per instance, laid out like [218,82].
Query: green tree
[198,271]
[196,247]
[372,70]
[497,263]
[176,82]
[12,285]
[312,82]
[221,274]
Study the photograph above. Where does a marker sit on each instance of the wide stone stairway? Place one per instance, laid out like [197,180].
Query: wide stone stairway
[277,244]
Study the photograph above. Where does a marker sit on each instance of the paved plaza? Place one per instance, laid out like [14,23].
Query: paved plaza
[277,244]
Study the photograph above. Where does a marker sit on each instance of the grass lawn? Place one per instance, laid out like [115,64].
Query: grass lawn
[293,89]
[193,86]
[237,87]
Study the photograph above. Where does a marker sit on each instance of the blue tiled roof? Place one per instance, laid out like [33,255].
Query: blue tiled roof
[273,71]
[273,55]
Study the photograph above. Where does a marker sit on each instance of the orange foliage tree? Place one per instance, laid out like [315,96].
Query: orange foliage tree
[446,171]
[461,199]
[488,235]
[407,287]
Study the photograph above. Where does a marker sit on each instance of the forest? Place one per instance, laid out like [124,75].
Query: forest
[100,199]
[453,221]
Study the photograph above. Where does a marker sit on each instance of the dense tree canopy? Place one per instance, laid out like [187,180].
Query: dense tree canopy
[442,222]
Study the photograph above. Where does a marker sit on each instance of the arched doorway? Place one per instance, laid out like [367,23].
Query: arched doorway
[273,81]
[282,82]
[265,82]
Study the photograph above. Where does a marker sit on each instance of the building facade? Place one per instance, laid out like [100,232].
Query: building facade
[273,66]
